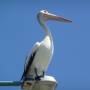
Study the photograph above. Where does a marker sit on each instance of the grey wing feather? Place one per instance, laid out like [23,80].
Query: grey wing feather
[29,60]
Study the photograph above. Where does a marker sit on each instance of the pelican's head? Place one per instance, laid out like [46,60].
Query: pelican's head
[44,15]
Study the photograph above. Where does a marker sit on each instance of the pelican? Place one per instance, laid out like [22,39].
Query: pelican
[38,61]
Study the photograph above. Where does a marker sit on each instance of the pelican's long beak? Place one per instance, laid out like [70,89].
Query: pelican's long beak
[50,16]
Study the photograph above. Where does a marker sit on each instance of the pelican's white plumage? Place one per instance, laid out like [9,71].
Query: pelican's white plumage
[37,62]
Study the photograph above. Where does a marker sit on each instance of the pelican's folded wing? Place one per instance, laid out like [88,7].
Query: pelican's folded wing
[29,59]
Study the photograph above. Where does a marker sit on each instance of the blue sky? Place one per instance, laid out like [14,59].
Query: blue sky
[19,30]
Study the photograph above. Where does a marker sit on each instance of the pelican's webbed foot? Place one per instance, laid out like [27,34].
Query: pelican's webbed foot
[38,77]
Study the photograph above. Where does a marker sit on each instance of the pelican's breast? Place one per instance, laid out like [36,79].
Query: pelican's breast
[47,42]
[43,55]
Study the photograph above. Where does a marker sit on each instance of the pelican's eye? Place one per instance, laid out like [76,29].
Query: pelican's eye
[45,11]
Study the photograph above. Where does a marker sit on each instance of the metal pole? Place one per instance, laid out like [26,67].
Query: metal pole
[10,83]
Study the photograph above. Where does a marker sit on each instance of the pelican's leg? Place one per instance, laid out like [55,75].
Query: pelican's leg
[38,77]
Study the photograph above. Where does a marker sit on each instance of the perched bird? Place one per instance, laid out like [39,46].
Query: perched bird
[42,52]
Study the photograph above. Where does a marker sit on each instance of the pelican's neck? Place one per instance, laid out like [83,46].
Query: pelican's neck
[47,32]
[45,28]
